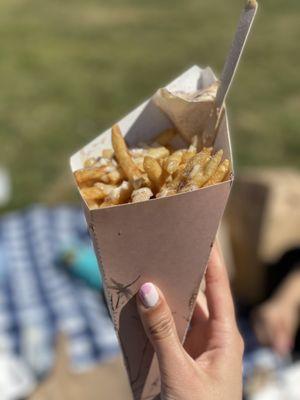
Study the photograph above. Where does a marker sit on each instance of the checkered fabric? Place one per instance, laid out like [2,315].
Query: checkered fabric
[38,299]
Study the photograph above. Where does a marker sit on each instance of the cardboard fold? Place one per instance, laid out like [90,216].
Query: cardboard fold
[166,241]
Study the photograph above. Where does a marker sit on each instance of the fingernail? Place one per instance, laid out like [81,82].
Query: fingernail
[148,294]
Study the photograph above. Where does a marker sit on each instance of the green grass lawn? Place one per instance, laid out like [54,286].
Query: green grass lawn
[68,69]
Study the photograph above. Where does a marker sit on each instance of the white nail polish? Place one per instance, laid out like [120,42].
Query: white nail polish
[148,294]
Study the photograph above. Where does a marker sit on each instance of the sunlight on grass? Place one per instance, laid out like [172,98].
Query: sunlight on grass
[69,69]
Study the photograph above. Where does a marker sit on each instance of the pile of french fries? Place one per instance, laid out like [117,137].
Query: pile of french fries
[122,175]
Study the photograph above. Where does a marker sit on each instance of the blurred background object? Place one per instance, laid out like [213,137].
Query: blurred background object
[264,219]
[4,187]
[106,380]
[69,70]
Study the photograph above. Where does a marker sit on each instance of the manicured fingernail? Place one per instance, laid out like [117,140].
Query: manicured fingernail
[148,294]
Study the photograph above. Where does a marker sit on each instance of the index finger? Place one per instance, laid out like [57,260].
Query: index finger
[218,293]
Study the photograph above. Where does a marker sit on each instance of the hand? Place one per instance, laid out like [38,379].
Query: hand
[209,366]
[275,324]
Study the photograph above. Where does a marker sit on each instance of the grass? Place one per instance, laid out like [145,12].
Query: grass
[69,69]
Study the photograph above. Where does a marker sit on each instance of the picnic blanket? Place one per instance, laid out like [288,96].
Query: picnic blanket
[38,300]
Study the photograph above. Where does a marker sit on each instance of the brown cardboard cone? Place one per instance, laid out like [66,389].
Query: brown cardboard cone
[166,241]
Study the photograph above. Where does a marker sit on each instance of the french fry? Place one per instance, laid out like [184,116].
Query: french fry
[172,162]
[165,137]
[128,166]
[229,174]
[116,176]
[192,150]
[199,159]
[139,161]
[105,179]
[212,166]
[194,170]
[200,178]
[137,153]
[104,187]
[118,195]
[88,176]
[178,173]
[154,172]
[166,191]
[221,172]
[158,152]
[94,193]
[187,155]
[141,194]
[171,184]
[175,182]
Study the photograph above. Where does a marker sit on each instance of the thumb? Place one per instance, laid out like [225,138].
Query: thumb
[160,328]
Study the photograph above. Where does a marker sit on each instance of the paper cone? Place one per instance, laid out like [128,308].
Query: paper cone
[166,241]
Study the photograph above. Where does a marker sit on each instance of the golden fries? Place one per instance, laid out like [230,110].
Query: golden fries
[88,176]
[213,164]
[195,165]
[116,176]
[202,170]
[187,155]
[158,152]
[165,192]
[139,161]
[120,175]
[220,173]
[172,163]
[154,172]
[97,192]
[118,195]
[128,166]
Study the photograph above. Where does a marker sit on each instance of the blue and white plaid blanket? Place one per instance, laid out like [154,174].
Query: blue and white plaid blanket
[39,300]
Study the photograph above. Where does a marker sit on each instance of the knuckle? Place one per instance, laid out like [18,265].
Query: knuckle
[162,328]
[212,279]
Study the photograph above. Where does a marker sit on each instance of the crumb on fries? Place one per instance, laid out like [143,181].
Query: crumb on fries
[141,194]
